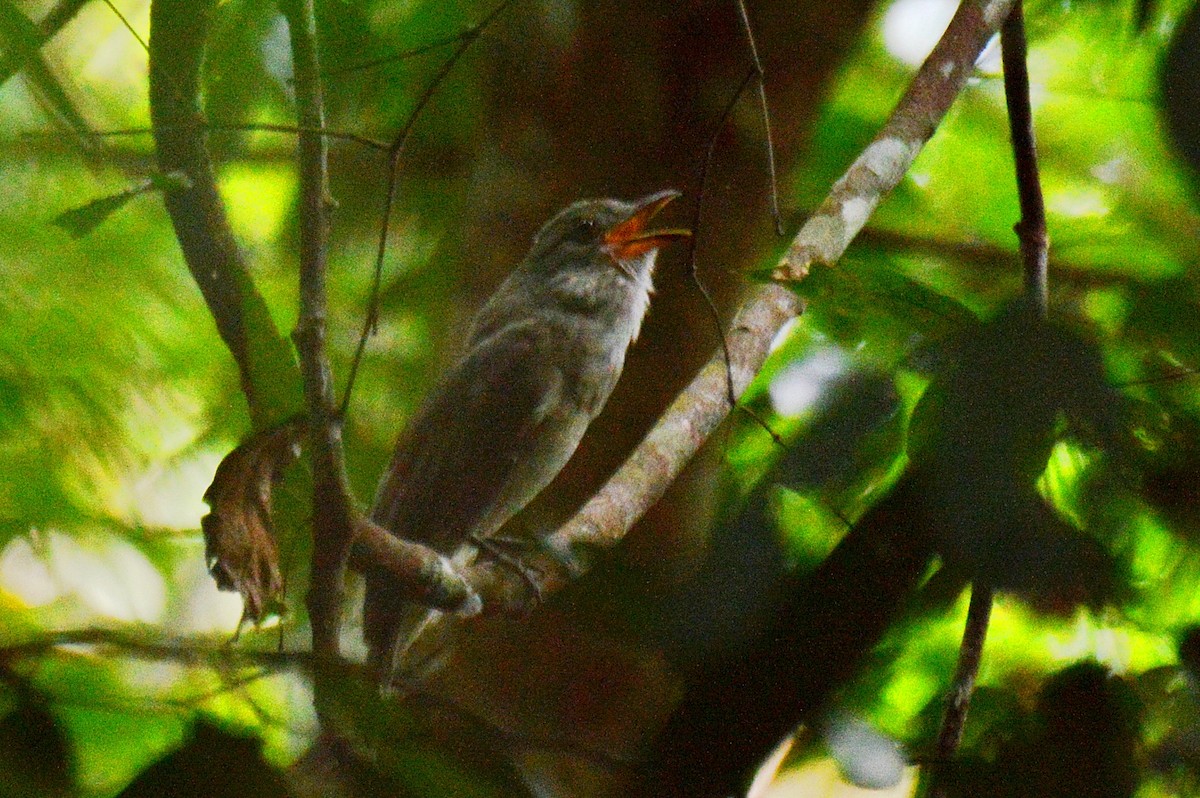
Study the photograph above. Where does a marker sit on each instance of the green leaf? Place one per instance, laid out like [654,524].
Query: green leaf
[81,221]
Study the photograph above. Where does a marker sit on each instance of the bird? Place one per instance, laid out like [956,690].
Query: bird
[542,357]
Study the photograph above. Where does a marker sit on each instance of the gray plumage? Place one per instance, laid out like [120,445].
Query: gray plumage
[541,359]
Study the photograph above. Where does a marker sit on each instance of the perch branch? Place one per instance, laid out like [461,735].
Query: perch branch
[703,405]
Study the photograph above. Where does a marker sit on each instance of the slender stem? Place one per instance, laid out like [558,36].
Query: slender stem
[1031,230]
[765,113]
[252,127]
[15,58]
[697,226]
[395,151]
[1034,243]
[198,651]
[404,54]
[970,655]
[332,504]
[697,216]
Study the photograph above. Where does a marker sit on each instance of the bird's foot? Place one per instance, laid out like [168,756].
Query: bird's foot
[507,551]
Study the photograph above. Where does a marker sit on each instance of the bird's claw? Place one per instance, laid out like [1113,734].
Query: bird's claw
[500,549]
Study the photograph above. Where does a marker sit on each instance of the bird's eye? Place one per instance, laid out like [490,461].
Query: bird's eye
[582,232]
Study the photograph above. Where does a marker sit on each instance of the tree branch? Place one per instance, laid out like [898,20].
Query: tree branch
[702,406]
[1034,242]
[190,651]
[332,503]
[178,30]
[970,655]
[15,58]
[1031,229]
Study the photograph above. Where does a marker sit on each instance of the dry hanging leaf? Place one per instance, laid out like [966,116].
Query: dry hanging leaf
[238,534]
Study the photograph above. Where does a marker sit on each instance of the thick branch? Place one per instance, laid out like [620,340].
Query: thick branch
[419,573]
[703,405]
[178,30]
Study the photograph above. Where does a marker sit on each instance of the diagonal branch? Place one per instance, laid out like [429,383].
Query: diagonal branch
[702,406]
[178,30]
[15,58]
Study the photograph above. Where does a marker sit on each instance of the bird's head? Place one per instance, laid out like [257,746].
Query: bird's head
[605,236]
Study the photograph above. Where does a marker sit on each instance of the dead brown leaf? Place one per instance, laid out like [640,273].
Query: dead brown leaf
[239,535]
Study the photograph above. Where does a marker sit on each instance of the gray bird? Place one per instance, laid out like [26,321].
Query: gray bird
[541,359]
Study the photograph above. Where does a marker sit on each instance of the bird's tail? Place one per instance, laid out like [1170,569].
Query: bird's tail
[405,641]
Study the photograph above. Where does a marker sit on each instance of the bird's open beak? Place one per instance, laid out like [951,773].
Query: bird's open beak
[630,238]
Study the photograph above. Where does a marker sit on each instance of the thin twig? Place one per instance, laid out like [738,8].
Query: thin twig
[768,138]
[128,25]
[1031,229]
[186,650]
[395,151]
[14,58]
[970,654]
[403,54]
[251,127]
[693,271]
[756,71]
[1031,233]
[1174,376]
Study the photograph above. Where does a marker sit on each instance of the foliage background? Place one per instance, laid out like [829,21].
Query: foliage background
[117,399]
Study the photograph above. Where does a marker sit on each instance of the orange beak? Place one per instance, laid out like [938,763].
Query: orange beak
[630,238]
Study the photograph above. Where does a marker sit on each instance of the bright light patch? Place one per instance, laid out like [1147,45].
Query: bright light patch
[1106,645]
[25,575]
[912,27]
[1060,481]
[990,61]
[169,495]
[822,777]
[782,335]
[769,769]
[1106,307]
[108,578]
[206,609]
[801,384]
[1114,170]
[257,198]
[866,757]
[1078,203]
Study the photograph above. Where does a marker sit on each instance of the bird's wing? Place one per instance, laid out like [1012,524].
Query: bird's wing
[457,456]
[453,464]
